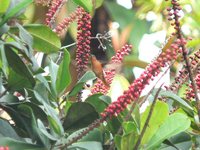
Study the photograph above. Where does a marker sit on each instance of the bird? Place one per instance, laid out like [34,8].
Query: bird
[97,68]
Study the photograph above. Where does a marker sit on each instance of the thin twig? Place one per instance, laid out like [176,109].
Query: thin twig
[67,46]
[147,121]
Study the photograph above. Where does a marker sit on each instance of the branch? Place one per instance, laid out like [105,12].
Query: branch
[147,121]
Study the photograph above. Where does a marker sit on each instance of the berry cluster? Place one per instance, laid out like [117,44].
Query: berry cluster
[183,73]
[52,11]
[139,84]
[125,50]
[174,15]
[4,148]
[99,86]
[83,42]
[68,20]
[190,92]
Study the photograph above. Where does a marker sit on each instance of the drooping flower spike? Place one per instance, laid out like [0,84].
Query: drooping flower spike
[83,42]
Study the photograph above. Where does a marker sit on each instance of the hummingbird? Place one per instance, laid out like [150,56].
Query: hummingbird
[97,68]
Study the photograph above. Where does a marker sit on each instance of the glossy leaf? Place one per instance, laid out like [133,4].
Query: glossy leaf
[91,145]
[18,82]
[96,102]
[79,116]
[53,70]
[4,6]
[181,141]
[126,142]
[86,77]
[11,13]
[55,122]
[17,145]
[173,125]
[7,131]
[9,99]
[43,129]
[86,4]
[39,137]
[25,36]
[18,65]
[44,39]
[159,115]
[63,76]
[176,98]
[130,127]
[94,135]
[41,94]
[113,125]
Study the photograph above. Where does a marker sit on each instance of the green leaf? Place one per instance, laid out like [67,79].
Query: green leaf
[3,60]
[182,141]
[129,127]
[86,77]
[159,115]
[96,102]
[136,115]
[9,98]
[53,71]
[98,3]
[91,145]
[25,36]
[174,124]
[113,125]
[18,65]
[7,131]
[94,135]
[39,136]
[128,141]
[4,6]
[117,140]
[63,76]
[22,122]
[21,5]
[86,4]
[118,86]
[176,98]
[44,39]
[55,123]
[17,145]
[79,115]
[43,129]
[40,93]
[43,80]
[18,82]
